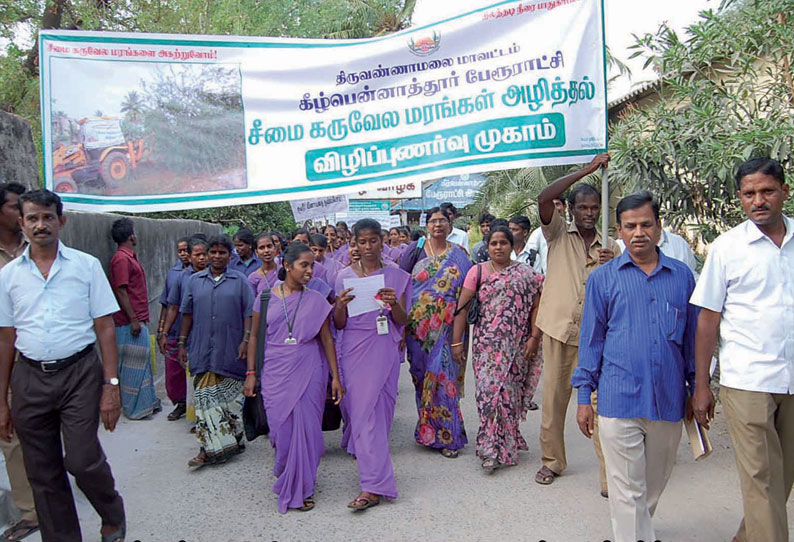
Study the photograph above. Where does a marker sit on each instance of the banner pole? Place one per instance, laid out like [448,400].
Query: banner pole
[604,207]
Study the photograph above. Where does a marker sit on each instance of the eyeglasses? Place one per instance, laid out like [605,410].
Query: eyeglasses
[438,221]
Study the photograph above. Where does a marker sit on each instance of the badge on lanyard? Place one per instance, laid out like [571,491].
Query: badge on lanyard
[290,339]
[383,325]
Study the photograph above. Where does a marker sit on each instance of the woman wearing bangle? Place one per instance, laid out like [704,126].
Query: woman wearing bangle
[294,377]
[505,348]
[438,268]
[369,346]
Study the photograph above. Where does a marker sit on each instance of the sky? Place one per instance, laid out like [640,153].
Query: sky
[623,18]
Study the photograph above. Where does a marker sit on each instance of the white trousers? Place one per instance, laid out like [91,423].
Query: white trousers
[639,455]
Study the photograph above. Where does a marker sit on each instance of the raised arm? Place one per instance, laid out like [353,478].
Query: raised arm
[556,189]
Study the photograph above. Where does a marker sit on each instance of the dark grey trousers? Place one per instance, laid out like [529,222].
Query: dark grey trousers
[51,406]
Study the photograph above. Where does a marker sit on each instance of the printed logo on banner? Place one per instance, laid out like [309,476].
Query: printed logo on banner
[425,46]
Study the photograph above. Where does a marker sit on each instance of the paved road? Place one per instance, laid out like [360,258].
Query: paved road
[440,499]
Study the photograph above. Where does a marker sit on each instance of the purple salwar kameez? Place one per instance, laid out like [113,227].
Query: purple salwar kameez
[369,366]
[294,380]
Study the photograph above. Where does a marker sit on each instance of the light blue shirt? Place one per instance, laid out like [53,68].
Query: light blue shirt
[54,318]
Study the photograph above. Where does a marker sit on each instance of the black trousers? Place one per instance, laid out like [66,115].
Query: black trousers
[65,404]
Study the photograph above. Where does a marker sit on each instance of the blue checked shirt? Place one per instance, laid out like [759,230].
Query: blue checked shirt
[637,341]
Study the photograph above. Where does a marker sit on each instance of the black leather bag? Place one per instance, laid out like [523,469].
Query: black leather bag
[254,416]
[473,316]
[332,414]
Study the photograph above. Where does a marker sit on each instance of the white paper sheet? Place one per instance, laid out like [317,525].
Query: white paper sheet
[364,290]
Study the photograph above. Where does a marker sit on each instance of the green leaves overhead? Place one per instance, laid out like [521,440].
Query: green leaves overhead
[726,95]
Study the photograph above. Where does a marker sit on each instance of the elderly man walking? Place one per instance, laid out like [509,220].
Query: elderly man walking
[746,291]
[637,348]
[55,303]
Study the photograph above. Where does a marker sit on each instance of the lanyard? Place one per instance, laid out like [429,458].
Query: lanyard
[286,313]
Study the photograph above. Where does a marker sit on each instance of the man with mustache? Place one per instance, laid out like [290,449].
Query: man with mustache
[637,348]
[55,303]
[746,291]
[574,252]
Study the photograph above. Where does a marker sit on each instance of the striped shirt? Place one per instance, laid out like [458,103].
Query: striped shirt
[637,342]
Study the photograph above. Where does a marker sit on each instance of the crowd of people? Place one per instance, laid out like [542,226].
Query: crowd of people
[627,323]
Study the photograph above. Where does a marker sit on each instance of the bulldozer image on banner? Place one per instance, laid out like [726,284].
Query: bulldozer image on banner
[102,154]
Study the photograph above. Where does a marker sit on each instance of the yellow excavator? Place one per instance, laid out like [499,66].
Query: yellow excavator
[102,153]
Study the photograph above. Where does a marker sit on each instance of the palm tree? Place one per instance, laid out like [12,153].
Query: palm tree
[132,107]
[511,192]
[366,14]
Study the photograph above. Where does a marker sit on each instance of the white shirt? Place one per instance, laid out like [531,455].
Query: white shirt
[459,237]
[54,318]
[538,242]
[525,255]
[673,246]
[750,281]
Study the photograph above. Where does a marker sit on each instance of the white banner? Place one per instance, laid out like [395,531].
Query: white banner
[306,209]
[221,120]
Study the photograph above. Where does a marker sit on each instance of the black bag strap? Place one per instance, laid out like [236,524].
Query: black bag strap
[261,334]
[476,290]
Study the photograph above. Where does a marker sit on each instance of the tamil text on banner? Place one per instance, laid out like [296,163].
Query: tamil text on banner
[379,210]
[146,122]
[306,209]
[397,191]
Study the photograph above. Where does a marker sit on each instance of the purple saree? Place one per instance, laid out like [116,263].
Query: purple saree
[370,369]
[294,379]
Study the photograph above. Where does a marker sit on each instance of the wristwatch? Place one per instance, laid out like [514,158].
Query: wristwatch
[111,381]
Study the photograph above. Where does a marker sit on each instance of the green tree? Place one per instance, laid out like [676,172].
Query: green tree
[726,95]
[20,21]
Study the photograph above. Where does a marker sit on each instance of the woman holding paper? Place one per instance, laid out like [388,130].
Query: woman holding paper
[369,346]
[505,347]
[438,274]
[294,377]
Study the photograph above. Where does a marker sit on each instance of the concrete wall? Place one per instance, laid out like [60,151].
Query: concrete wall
[17,152]
[156,250]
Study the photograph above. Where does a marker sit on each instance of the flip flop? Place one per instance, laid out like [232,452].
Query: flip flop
[489,465]
[367,503]
[545,476]
[449,454]
[117,536]
[308,504]
[18,531]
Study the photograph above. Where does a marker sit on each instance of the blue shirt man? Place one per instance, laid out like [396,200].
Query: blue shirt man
[636,347]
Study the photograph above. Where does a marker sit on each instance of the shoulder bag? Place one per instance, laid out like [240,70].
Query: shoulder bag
[254,417]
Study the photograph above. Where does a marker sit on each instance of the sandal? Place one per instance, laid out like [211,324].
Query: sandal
[308,504]
[532,405]
[117,536]
[19,530]
[545,476]
[199,461]
[489,465]
[367,503]
[450,454]
[179,410]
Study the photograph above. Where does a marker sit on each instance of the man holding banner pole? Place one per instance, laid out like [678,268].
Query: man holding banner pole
[575,250]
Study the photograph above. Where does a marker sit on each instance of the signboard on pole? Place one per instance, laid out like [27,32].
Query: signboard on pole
[306,209]
[227,120]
